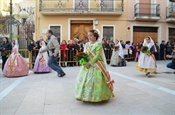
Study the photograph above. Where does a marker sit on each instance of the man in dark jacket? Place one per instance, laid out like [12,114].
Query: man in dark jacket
[162,50]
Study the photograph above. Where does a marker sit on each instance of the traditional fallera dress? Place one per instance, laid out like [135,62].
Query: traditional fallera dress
[41,62]
[147,63]
[91,84]
[16,65]
[117,58]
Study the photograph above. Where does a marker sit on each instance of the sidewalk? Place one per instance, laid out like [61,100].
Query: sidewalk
[46,94]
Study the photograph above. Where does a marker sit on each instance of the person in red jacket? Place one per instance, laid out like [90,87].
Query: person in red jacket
[63,48]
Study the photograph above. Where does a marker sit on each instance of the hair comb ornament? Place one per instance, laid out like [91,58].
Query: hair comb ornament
[97,31]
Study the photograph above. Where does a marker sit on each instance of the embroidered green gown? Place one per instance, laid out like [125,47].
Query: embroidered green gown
[91,84]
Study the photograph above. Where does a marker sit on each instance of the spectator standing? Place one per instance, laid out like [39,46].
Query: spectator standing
[39,42]
[63,47]
[158,51]
[169,48]
[5,49]
[32,48]
[71,53]
[162,50]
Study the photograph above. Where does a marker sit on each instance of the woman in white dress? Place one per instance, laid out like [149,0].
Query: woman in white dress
[117,58]
[147,61]
[41,61]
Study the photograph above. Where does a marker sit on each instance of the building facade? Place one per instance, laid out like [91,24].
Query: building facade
[115,19]
[153,18]
[23,31]
[71,19]
[121,19]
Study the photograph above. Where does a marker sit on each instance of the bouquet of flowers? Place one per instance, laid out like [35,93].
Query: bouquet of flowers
[116,48]
[145,49]
[6,53]
[82,58]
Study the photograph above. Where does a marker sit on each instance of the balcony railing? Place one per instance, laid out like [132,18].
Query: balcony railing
[85,7]
[170,13]
[150,12]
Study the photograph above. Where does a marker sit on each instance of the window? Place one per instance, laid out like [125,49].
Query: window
[145,29]
[108,32]
[172,34]
[56,31]
[81,5]
[107,5]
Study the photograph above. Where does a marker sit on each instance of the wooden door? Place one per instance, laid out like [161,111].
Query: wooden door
[139,36]
[145,7]
[79,29]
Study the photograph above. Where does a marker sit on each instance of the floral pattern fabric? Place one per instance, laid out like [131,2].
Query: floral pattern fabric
[91,85]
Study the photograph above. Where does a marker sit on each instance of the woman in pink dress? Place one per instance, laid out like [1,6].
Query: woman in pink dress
[16,66]
[41,61]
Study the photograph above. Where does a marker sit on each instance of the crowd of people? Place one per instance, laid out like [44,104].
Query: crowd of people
[163,49]
[115,51]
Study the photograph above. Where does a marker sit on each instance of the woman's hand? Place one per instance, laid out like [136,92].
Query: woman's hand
[149,53]
[87,65]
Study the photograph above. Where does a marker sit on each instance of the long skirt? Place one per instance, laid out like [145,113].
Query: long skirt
[116,60]
[41,65]
[91,85]
[16,66]
[146,63]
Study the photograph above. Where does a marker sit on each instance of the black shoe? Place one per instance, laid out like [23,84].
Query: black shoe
[148,74]
[174,72]
[61,75]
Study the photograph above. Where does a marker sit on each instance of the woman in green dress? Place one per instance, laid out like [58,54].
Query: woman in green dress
[93,85]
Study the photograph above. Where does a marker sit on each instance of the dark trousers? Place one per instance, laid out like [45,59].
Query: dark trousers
[162,55]
[171,65]
[156,55]
[52,63]
[4,59]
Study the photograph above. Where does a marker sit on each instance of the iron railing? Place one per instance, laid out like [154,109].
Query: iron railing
[83,6]
[170,11]
[150,10]
[67,58]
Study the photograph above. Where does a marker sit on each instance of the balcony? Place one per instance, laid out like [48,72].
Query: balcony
[146,12]
[170,14]
[83,7]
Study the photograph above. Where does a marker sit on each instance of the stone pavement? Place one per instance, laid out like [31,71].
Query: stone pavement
[46,94]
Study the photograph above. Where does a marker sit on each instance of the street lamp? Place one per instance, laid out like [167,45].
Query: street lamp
[0,14]
[11,20]
[24,15]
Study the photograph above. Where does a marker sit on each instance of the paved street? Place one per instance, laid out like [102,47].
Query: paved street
[46,94]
